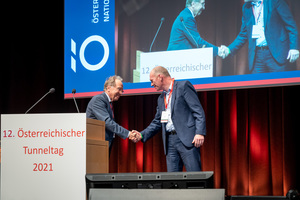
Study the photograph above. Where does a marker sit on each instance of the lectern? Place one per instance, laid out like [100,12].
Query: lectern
[43,156]
[97,156]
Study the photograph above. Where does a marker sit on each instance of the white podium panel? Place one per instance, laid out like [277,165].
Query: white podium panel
[181,64]
[43,156]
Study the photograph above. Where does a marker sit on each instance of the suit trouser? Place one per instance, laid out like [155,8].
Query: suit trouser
[179,155]
[264,62]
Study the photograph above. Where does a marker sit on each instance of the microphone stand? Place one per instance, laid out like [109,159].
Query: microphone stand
[161,21]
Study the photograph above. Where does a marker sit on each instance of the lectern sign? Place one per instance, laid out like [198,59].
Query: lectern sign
[43,156]
[181,64]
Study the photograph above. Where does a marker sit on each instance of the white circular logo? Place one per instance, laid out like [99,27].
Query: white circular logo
[101,40]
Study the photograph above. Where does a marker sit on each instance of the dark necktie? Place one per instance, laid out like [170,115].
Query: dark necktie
[112,109]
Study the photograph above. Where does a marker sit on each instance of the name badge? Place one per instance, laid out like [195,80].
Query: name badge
[164,116]
[257,31]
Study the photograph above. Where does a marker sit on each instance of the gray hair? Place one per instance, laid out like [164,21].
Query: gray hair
[111,81]
[189,2]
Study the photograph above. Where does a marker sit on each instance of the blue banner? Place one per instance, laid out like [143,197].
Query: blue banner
[89,44]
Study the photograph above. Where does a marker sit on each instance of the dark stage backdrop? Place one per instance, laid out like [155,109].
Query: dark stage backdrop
[252,143]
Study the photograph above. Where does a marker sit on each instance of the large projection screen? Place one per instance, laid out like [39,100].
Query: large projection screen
[106,37]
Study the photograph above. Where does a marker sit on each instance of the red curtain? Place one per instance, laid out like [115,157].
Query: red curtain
[251,142]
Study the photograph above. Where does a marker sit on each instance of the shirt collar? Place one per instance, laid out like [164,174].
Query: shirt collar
[169,90]
[192,12]
[108,97]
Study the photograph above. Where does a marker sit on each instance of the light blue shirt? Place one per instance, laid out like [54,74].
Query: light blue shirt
[108,97]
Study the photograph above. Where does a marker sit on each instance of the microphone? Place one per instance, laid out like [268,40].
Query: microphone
[161,21]
[181,19]
[52,90]
[74,91]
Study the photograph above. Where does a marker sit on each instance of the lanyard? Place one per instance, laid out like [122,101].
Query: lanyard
[259,12]
[167,102]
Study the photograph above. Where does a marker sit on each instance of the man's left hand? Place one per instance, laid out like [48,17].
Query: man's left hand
[293,55]
[198,140]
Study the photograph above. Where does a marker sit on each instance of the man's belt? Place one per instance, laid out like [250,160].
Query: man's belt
[262,48]
[171,133]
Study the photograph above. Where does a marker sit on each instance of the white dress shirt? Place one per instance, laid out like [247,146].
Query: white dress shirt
[259,20]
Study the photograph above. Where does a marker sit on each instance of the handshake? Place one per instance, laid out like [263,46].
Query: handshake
[135,136]
[223,51]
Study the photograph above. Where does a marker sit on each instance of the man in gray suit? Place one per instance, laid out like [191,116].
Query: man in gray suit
[181,117]
[101,108]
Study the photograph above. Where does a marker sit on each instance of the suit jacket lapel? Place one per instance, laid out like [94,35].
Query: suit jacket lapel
[249,12]
[108,105]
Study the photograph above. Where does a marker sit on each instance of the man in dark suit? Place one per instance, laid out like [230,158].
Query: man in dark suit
[272,34]
[100,107]
[184,33]
[181,117]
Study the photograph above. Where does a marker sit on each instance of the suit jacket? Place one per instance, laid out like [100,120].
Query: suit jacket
[280,31]
[180,38]
[99,108]
[187,115]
